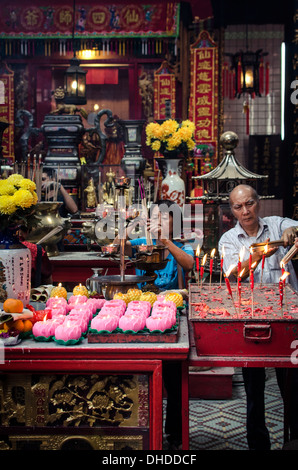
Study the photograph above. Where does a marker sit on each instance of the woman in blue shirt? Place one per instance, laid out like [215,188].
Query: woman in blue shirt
[164,214]
[164,221]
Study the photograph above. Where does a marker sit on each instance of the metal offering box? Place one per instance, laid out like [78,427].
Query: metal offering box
[259,326]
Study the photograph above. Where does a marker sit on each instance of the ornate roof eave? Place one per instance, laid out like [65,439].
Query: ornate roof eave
[230,168]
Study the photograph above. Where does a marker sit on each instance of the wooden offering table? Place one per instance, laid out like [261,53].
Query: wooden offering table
[101,396]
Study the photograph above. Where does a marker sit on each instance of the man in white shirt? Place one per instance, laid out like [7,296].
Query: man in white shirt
[250,228]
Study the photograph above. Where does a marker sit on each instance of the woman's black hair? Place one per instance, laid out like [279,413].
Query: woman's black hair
[172,208]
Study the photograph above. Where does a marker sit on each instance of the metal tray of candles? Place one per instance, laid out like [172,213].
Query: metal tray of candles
[263,322]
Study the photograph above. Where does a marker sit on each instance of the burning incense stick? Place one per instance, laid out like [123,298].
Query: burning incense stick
[198,263]
[226,276]
[239,288]
[211,266]
[202,268]
[263,262]
[221,263]
[251,278]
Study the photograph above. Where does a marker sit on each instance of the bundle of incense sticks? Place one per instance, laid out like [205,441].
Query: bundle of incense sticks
[31,170]
[145,209]
[291,253]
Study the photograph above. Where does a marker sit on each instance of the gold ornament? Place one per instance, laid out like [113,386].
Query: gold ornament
[59,291]
[149,297]
[133,294]
[176,298]
[121,296]
[80,290]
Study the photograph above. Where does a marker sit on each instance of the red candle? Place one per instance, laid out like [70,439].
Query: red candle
[202,266]
[251,275]
[198,262]
[228,286]
[281,291]
[250,259]
[241,254]
[221,262]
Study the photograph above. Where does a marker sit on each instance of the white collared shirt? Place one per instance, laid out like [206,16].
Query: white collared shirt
[269,227]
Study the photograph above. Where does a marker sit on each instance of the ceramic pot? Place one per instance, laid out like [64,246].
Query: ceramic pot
[172,185]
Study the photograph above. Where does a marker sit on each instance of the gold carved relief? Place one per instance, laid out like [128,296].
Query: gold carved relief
[72,401]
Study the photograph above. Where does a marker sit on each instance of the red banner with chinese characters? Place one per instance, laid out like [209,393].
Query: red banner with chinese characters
[7,110]
[164,92]
[203,103]
[54,19]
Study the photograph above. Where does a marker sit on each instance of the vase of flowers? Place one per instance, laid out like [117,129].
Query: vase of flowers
[174,141]
[17,202]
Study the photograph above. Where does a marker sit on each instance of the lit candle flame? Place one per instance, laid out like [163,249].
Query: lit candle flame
[230,269]
[198,251]
[204,259]
[223,251]
[242,272]
[212,253]
[266,249]
[284,276]
[253,265]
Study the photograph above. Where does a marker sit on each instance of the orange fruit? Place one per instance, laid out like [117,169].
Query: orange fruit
[27,325]
[13,306]
[18,325]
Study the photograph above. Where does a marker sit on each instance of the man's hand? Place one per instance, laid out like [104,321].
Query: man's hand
[289,235]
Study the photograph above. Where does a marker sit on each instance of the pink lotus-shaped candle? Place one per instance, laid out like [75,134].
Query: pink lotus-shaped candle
[137,310]
[165,303]
[117,309]
[140,305]
[119,302]
[46,328]
[96,304]
[159,322]
[80,320]
[168,314]
[55,302]
[68,331]
[105,322]
[82,310]
[77,299]
[57,311]
[132,322]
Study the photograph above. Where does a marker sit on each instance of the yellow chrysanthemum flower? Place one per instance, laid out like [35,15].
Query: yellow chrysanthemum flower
[23,198]
[27,184]
[155,145]
[169,127]
[35,198]
[15,179]
[7,205]
[171,136]
[6,188]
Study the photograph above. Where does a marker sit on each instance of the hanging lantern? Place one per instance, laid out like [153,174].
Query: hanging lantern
[75,76]
[75,83]
[246,67]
